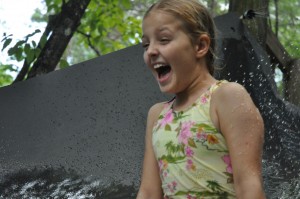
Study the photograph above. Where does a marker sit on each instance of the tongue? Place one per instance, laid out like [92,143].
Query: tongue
[164,71]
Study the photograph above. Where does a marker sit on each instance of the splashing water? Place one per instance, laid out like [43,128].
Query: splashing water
[58,183]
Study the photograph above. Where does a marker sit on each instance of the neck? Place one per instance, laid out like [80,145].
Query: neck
[188,96]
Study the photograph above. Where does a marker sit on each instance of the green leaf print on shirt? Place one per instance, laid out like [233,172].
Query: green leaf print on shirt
[178,116]
[172,159]
[174,148]
[214,186]
[201,127]
[207,136]
[175,153]
[192,143]
[168,127]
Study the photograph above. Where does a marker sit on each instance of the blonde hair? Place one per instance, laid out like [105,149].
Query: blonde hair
[196,21]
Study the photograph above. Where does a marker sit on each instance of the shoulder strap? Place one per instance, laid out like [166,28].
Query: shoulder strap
[167,106]
[217,85]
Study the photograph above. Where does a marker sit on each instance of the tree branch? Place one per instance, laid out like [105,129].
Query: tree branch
[21,75]
[69,20]
[88,36]
[277,51]
[53,19]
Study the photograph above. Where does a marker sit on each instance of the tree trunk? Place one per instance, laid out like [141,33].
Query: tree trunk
[69,20]
[258,25]
[292,82]
[52,22]
[269,41]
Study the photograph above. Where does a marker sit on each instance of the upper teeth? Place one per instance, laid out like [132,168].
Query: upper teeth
[158,66]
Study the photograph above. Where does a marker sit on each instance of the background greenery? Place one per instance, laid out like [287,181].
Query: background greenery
[110,25]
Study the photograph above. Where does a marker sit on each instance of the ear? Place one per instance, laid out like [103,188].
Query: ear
[202,45]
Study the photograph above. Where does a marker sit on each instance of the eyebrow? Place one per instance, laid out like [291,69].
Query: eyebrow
[159,30]
[164,28]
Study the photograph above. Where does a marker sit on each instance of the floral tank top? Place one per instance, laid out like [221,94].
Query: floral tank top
[192,155]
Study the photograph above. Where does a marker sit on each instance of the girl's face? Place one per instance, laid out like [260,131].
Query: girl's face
[169,52]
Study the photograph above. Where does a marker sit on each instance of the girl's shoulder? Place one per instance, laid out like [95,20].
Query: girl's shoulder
[156,109]
[229,90]
[230,101]
[231,95]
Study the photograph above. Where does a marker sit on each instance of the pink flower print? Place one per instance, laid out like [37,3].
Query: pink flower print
[162,164]
[226,159]
[201,136]
[189,196]
[189,152]
[204,99]
[185,132]
[168,118]
[190,165]
[174,183]
[172,186]
[165,174]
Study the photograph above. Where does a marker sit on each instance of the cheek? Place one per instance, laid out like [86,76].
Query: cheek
[146,59]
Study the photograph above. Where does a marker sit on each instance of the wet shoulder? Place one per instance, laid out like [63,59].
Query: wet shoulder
[230,90]
[225,98]
[230,93]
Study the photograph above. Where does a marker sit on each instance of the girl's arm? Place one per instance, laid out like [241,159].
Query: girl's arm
[150,187]
[242,126]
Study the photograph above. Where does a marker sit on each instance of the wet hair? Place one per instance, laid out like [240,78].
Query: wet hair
[196,21]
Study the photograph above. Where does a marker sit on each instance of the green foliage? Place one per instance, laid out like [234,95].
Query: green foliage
[216,7]
[288,24]
[110,26]
[23,49]
[107,26]
[63,63]
[53,6]
[5,77]
[7,41]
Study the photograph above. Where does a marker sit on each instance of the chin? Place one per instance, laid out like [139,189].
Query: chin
[167,90]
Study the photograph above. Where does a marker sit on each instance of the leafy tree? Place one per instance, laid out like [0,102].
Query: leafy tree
[107,26]
[289,20]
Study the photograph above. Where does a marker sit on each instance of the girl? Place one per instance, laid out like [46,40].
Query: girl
[207,141]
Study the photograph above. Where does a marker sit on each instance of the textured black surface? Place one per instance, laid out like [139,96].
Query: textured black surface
[90,118]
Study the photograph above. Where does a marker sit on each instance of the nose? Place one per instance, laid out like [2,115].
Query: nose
[152,50]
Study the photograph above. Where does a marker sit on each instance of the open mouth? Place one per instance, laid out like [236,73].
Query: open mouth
[163,70]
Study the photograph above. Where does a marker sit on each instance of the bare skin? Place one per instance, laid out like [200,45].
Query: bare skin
[151,184]
[235,115]
[232,111]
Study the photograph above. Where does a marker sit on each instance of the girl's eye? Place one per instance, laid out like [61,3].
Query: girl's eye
[164,40]
[145,45]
